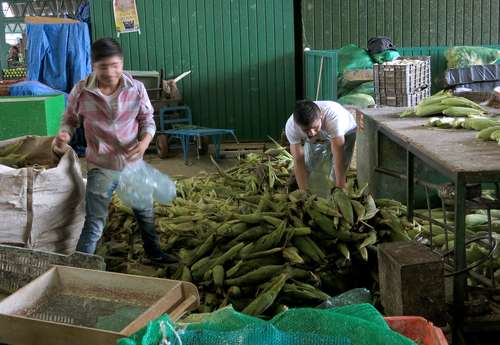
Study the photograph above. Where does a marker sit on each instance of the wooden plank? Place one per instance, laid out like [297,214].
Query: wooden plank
[26,331]
[48,20]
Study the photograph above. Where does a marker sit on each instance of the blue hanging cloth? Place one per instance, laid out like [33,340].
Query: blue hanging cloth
[58,55]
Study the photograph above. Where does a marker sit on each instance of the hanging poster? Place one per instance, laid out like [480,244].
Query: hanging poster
[126,17]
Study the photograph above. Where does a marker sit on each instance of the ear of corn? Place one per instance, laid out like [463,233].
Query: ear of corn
[430,109]
[479,124]
[461,102]
[495,135]
[485,133]
[461,111]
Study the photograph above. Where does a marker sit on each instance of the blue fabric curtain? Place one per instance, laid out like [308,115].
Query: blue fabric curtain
[58,55]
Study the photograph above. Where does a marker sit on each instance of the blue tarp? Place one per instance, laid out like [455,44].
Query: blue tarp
[58,54]
[34,88]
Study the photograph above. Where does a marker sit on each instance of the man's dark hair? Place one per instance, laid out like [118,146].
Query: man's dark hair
[305,113]
[105,48]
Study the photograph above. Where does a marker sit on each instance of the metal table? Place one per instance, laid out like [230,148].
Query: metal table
[184,134]
[456,154]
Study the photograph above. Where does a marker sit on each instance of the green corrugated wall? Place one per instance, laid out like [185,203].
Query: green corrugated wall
[241,53]
[331,24]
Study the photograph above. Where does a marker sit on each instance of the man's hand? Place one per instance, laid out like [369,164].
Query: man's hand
[136,152]
[61,139]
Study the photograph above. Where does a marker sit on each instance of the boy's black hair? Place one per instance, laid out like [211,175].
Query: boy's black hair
[305,113]
[104,48]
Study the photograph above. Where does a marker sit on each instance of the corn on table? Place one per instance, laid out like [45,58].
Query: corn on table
[463,160]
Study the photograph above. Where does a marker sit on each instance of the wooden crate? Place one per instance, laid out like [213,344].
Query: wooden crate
[235,149]
[403,79]
[76,306]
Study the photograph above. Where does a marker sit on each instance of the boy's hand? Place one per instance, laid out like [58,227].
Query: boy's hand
[61,139]
[137,151]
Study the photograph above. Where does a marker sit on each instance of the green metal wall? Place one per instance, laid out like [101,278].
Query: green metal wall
[330,24]
[241,53]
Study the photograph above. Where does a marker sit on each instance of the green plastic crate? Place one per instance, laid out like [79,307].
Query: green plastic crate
[23,115]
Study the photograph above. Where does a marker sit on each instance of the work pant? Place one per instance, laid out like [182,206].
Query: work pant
[100,186]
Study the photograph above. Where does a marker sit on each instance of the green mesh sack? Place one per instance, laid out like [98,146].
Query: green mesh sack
[352,57]
[367,88]
[385,56]
[464,56]
[357,99]
[359,324]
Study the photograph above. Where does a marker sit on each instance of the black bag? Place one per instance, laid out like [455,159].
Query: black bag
[380,44]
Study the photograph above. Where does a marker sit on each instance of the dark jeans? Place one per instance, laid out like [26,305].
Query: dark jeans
[100,186]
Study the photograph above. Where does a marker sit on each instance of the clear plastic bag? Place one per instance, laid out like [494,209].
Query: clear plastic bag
[140,184]
[354,296]
[318,159]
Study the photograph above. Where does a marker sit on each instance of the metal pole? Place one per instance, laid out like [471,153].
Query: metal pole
[459,280]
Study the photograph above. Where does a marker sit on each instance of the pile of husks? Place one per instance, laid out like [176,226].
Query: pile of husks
[243,239]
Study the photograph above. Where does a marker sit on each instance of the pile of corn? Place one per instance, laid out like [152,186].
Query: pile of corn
[445,103]
[244,240]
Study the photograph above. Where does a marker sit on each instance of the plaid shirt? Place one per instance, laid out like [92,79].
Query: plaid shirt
[109,134]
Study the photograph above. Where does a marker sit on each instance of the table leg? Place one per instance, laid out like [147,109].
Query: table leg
[185,148]
[410,184]
[217,140]
[459,280]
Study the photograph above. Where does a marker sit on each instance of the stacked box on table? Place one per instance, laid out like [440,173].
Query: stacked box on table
[473,74]
[402,84]
[402,99]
